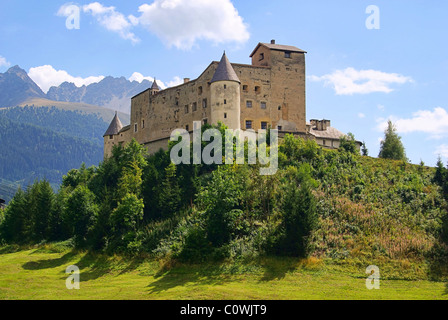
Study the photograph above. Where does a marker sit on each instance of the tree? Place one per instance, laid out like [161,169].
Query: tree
[16,223]
[392,147]
[348,143]
[299,212]
[42,205]
[364,150]
[81,212]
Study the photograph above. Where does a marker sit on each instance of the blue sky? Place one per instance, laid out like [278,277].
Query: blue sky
[357,77]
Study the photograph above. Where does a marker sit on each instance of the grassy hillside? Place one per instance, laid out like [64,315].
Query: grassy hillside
[106,114]
[309,231]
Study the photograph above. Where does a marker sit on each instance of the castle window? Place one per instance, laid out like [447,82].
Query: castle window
[143,124]
[279,108]
[279,128]
[225,101]
[225,115]
[111,137]
[264,125]
[288,55]
[195,106]
[257,89]
[187,109]
[263,105]
[225,86]
[248,124]
[204,103]
[187,128]
[245,88]
[177,101]
[324,142]
[249,104]
[135,127]
[261,56]
[205,121]
[200,90]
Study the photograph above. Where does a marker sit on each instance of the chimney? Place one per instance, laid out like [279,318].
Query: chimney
[273,41]
[186,80]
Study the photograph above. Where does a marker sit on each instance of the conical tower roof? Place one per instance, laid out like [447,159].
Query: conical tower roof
[115,126]
[225,71]
[155,86]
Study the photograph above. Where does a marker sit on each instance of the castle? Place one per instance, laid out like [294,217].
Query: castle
[270,92]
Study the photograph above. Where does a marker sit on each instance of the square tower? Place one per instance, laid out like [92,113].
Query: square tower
[288,83]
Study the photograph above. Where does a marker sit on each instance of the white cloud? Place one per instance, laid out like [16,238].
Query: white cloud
[46,77]
[175,82]
[4,62]
[442,151]
[137,76]
[433,122]
[351,81]
[361,115]
[64,10]
[181,23]
[112,20]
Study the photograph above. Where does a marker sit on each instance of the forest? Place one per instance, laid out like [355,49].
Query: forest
[44,143]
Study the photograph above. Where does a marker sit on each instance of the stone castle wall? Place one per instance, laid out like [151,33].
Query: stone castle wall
[271,93]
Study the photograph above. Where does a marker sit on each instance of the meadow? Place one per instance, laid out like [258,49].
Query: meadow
[39,274]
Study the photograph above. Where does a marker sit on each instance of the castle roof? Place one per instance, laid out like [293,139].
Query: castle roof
[330,133]
[225,71]
[277,47]
[155,86]
[114,127]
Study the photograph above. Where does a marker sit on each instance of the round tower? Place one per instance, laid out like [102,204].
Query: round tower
[111,135]
[226,95]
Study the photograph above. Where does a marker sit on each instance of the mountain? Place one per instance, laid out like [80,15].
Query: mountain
[16,86]
[111,93]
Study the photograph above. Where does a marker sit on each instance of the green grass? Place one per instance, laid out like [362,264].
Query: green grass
[39,273]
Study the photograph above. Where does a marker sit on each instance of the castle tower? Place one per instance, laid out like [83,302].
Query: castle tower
[288,81]
[226,95]
[154,88]
[111,135]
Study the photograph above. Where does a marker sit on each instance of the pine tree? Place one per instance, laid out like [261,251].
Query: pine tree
[81,212]
[43,208]
[391,146]
[170,197]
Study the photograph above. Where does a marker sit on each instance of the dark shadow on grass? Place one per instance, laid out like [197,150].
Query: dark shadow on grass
[273,270]
[50,263]
[183,275]
[93,265]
